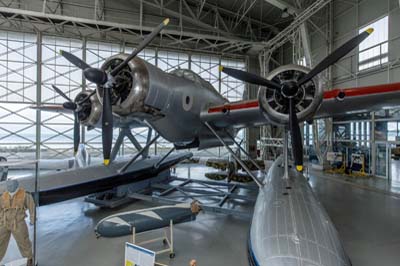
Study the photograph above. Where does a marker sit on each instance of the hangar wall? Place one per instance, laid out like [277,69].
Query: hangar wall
[348,18]
[330,28]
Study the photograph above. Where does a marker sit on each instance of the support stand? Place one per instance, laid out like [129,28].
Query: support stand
[244,166]
[167,239]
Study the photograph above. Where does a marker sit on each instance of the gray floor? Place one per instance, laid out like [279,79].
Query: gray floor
[368,222]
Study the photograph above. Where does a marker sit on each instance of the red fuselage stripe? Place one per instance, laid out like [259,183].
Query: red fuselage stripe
[361,91]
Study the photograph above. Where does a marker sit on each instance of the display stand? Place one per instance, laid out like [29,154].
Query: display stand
[168,241]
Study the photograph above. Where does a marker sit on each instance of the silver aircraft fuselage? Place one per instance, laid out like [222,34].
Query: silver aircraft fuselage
[170,102]
[290,226]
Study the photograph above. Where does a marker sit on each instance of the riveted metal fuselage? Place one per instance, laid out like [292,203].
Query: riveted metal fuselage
[290,226]
[170,102]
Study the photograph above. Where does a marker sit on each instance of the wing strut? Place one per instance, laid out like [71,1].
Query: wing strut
[258,181]
[144,149]
[245,152]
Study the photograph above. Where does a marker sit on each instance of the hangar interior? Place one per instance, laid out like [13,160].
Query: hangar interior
[351,160]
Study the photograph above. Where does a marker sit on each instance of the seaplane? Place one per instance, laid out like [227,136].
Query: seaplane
[289,226]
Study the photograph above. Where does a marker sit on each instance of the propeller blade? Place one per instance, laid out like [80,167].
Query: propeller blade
[87,97]
[95,75]
[249,77]
[335,56]
[141,46]
[61,93]
[73,59]
[77,134]
[107,125]
[297,143]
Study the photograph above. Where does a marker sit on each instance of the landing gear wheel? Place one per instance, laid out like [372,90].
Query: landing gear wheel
[172,255]
[165,242]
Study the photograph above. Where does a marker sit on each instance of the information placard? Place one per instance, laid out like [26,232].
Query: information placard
[138,256]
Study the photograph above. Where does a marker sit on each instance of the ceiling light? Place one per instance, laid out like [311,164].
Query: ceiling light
[285,13]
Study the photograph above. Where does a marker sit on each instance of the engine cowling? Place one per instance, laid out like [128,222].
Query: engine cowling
[131,85]
[274,103]
[89,112]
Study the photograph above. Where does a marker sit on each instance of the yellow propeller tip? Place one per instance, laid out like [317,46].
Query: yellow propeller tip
[106,162]
[299,168]
[221,68]
[370,30]
[166,21]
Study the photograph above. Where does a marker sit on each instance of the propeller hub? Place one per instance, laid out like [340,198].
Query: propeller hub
[70,106]
[96,75]
[290,89]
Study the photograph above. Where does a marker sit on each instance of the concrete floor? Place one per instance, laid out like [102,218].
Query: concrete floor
[368,222]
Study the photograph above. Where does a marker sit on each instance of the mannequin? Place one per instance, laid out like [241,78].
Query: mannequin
[13,206]
[12,186]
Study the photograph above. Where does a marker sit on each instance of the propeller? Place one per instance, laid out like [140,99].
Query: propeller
[249,77]
[70,105]
[336,55]
[290,88]
[295,134]
[107,82]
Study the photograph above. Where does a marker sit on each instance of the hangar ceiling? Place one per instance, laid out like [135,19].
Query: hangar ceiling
[211,25]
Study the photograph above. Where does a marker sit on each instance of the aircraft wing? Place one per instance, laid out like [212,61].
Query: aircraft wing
[55,108]
[335,103]
[72,183]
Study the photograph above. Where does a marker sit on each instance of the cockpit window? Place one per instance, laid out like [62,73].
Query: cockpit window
[190,75]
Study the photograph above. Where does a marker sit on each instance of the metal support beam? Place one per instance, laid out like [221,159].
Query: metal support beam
[149,134]
[104,30]
[258,182]
[245,152]
[123,169]
[38,93]
[157,164]
[302,28]
[134,140]
[373,145]
[285,35]
[188,19]
[39,51]
[52,6]
[125,132]
[305,39]
[282,5]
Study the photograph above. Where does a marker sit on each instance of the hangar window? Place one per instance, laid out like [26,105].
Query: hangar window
[360,133]
[302,61]
[393,130]
[308,135]
[373,52]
